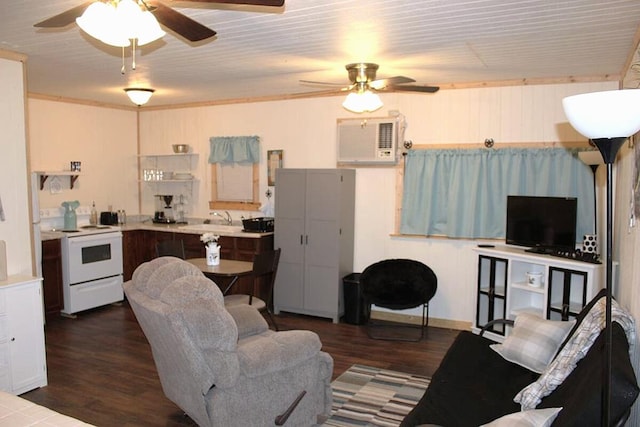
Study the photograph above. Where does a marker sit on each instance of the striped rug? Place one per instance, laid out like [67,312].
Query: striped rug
[366,396]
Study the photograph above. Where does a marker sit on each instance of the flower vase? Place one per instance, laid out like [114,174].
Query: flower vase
[213,254]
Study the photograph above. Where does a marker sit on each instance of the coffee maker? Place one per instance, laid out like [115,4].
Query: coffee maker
[164,210]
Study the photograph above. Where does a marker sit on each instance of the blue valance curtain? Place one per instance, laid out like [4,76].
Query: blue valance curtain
[462,193]
[234,149]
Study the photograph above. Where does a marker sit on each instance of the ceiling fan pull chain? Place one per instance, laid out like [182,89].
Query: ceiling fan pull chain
[122,70]
[133,54]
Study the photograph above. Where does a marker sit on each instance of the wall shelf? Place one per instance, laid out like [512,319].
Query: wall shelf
[44,175]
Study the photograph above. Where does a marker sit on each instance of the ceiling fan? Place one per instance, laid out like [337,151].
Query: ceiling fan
[167,16]
[362,76]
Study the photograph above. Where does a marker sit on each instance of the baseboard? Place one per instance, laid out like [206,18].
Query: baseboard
[415,320]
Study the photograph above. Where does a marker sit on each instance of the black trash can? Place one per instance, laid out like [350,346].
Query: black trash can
[355,310]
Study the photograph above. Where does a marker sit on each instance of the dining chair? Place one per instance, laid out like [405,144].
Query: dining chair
[265,265]
[170,248]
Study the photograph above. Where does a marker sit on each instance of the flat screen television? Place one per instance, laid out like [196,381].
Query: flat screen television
[544,224]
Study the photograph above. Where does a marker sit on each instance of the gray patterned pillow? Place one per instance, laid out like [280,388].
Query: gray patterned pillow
[533,342]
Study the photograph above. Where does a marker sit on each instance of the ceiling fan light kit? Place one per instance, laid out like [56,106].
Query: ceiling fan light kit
[139,96]
[361,102]
[117,24]
[362,76]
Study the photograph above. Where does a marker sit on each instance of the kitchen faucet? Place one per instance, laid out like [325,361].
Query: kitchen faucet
[227,218]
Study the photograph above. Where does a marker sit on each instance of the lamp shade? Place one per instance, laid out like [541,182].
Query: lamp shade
[607,114]
[360,102]
[139,96]
[149,30]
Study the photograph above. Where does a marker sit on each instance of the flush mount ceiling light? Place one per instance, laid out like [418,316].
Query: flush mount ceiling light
[139,96]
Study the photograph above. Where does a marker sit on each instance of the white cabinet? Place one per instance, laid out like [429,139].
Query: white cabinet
[22,351]
[314,216]
[507,286]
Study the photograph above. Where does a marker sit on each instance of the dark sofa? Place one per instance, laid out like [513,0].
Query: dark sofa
[474,385]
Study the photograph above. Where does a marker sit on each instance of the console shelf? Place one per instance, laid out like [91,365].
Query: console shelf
[504,291]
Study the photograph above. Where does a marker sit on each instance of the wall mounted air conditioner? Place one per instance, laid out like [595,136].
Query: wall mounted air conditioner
[367,141]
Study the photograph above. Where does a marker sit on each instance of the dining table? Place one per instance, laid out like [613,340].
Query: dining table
[227,272]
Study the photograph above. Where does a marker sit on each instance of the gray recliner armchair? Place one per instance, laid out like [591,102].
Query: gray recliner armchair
[224,367]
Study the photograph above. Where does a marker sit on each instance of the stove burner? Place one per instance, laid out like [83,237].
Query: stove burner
[94,227]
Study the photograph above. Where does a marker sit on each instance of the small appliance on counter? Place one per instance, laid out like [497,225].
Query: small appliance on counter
[164,210]
[108,218]
[258,225]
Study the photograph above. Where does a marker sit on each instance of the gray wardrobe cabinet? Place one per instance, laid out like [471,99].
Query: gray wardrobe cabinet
[314,219]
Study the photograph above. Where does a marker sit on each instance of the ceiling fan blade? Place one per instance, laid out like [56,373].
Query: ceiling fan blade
[65,18]
[274,3]
[413,88]
[339,86]
[382,83]
[313,83]
[181,24]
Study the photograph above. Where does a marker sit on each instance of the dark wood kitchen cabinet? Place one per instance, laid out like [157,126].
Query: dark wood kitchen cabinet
[139,247]
[52,277]
[132,255]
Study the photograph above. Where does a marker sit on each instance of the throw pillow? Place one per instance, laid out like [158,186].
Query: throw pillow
[533,342]
[531,418]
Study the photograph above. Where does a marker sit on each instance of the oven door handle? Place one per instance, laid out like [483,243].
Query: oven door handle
[101,237]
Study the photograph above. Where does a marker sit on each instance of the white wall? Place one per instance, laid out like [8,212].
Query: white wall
[15,229]
[104,140]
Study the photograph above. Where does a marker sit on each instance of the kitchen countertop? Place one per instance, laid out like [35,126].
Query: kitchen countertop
[173,228]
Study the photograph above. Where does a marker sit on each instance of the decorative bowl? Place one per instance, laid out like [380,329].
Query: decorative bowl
[180,148]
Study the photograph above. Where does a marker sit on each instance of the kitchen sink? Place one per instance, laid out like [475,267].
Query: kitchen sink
[212,228]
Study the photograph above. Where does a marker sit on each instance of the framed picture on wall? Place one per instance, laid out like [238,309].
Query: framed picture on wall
[274,161]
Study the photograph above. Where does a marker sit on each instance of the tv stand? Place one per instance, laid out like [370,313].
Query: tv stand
[503,289]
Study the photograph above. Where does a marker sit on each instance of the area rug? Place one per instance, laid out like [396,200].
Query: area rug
[366,396]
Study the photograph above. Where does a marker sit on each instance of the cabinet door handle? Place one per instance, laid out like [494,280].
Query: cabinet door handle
[306,239]
[301,242]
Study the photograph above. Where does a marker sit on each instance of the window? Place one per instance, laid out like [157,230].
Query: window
[462,193]
[234,173]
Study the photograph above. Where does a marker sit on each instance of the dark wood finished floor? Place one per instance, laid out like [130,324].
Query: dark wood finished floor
[100,367]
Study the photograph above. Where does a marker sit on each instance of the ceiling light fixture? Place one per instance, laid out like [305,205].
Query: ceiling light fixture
[139,96]
[121,23]
[362,101]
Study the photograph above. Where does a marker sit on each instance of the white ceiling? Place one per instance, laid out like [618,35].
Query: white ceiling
[258,54]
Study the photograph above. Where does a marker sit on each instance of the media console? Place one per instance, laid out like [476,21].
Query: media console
[504,274]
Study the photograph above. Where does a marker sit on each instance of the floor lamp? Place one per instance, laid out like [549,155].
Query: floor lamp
[608,119]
